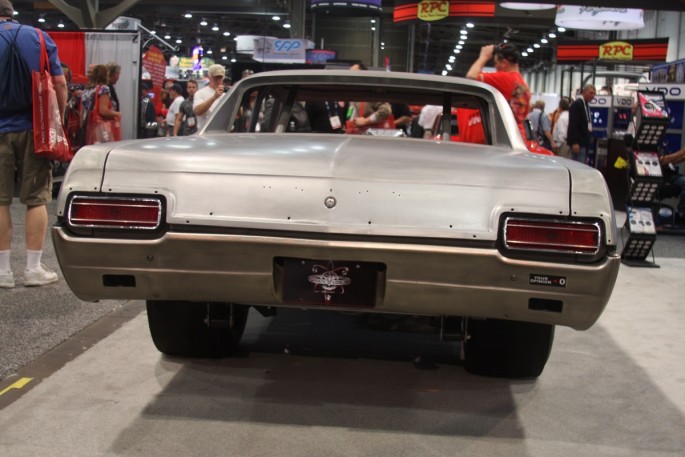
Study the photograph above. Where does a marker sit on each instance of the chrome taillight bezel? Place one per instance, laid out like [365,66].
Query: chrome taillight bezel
[128,225]
[585,251]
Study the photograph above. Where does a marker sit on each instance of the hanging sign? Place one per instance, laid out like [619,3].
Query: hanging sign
[433,10]
[616,50]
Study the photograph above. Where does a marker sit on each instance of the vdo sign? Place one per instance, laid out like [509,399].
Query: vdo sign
[675,91]
[433,10]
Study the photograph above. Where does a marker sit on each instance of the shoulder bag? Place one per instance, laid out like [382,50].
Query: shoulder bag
[49,138]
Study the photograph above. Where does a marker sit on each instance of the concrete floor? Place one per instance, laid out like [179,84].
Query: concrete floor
[315,384]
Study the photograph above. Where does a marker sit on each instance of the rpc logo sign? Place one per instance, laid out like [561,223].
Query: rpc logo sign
[286,46]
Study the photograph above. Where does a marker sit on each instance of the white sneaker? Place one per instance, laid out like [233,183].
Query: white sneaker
[6,280]
[39,277]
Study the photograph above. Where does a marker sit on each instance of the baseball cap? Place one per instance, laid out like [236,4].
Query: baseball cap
[216,70]
[507,51]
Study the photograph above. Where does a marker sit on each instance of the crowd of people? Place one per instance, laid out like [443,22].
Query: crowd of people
[92,114]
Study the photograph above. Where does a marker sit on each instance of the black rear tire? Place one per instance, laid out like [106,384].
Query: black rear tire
[507,349]
[179,328]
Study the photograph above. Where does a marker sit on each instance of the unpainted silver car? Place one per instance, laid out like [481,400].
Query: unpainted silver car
[496,244]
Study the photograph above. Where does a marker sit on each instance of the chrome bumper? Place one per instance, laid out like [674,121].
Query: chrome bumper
[419,279]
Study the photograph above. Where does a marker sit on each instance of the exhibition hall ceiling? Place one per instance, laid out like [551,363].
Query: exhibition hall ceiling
[215,23]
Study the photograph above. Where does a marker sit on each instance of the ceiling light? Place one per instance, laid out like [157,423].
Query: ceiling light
[215,28]
[224,58]
[286,25]
[448,67]
[527,6]
[459,47]
[203,23]
[227,33]
[561,29]
[464,32]
[41,19]
[167,37]
[233,60]
[451,59]
[153,32]
[552,35]
[188,15]
[444,73]
[210,52]
[524,54]
[276,18]
[373,28]
[60,25]
[544,41]
[373,21]
[530,50]
[461,42]
[595,18]
[179,41]
[470,25]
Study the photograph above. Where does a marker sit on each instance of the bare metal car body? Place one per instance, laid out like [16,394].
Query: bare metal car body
[428,219]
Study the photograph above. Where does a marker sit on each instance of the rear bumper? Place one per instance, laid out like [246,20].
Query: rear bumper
[418,279]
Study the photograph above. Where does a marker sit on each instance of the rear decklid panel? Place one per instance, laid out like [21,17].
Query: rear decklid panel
[282,182]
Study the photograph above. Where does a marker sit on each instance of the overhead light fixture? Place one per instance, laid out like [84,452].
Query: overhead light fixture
[203,22]
[276,18]
[188,15]
[530,50]
[527,6]
[167,37]
[224,58]
[227,33]
[544,41]
[596,18]
[524,54]
[41,19]
[60,25]
[470,25]
[552,35]
[215,28]
[179,41]
[286,25]
[210,52]
[373,29]
[461,42]
[561,29]
[536,46]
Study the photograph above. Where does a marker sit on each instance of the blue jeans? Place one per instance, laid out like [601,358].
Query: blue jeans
[581,156]
[680,182]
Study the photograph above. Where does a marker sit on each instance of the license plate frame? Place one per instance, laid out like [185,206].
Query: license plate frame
[329,283]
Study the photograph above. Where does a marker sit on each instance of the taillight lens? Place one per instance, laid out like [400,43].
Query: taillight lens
[120,212]
[552,236]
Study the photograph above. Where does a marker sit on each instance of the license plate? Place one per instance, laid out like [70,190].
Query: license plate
[330,282]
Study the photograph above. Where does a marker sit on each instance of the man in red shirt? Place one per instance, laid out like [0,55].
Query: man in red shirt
[506,78]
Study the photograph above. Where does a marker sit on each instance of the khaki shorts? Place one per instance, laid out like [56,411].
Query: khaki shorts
[564,150]
[17,159]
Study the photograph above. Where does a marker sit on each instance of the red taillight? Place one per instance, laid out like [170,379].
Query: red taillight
[555,236]
[121,213]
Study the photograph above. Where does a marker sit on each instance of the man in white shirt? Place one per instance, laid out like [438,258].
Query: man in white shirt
[176,95]
[560,130]
[206,99]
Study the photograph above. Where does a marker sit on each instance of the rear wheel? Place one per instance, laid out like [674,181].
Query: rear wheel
[196,329]
[508,349]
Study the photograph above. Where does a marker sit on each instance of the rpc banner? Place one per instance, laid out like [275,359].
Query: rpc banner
[280,50]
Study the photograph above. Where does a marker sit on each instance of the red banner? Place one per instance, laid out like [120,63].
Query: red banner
[442,10]
[155,64]
[625,50]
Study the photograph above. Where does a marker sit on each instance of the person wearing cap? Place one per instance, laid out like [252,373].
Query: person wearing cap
[176,96]
[207,98]
[506,78]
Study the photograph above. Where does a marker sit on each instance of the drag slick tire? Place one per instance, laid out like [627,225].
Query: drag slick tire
[180,328]
[507,349]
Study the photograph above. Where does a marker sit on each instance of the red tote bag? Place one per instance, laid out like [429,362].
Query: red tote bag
[49,138]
